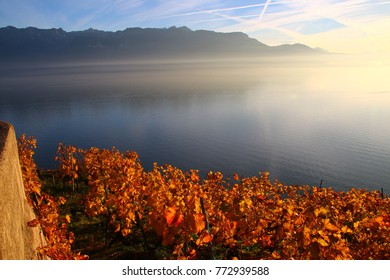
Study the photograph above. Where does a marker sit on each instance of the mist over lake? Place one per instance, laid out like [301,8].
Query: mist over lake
[302,122]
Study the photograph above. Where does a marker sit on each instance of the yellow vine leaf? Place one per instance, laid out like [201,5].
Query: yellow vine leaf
[331,227]
[62,200]
[379,220]
[169,215]
[346,229]
[196,222]
[125,231]
[204,238]
[173,217]
[322,242]
[36,189]
[319,211]
[290,211]
[52,217]
[71,238]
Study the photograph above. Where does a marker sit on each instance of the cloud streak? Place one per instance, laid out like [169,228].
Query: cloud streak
[264,9]
[218,10]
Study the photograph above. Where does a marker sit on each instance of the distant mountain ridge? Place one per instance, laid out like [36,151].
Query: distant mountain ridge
[155,43]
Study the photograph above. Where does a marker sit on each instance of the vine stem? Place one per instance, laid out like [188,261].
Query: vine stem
[207,224]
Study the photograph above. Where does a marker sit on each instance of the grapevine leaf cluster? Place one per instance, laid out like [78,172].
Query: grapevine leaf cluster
[227,218]
[54,226]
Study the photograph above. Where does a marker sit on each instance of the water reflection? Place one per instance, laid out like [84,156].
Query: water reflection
[302,124]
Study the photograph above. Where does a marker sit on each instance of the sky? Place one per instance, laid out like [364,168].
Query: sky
[350,26]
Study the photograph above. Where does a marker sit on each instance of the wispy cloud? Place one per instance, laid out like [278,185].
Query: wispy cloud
[264,9]
[103,14]
[214,10]
[219,10]
[321,23]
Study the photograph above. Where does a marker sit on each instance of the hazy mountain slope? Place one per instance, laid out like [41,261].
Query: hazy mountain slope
[133,43]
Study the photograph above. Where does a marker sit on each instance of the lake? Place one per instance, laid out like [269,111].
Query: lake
[301,122]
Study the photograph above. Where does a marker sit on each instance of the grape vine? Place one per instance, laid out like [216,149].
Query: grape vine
[54,226]
[218,217]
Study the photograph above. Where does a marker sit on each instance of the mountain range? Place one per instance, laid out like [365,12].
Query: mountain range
[31,44]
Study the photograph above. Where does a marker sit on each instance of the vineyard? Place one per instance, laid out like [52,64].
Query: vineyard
[102,203]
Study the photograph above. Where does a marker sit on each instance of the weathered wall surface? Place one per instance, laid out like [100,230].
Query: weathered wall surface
[17,240]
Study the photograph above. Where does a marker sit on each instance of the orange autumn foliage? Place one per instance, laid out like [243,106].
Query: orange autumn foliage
[54,227]
[238,218]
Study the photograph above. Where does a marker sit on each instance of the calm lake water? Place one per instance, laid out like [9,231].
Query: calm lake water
[301,123]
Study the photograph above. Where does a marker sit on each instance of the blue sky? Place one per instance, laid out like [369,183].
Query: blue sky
[343,26]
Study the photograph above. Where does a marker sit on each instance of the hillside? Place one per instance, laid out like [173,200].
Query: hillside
[151,43]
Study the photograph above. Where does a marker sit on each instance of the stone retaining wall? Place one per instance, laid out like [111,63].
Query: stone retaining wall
[17,240]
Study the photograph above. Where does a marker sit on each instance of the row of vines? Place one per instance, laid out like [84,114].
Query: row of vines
[210,218]
[46,207]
